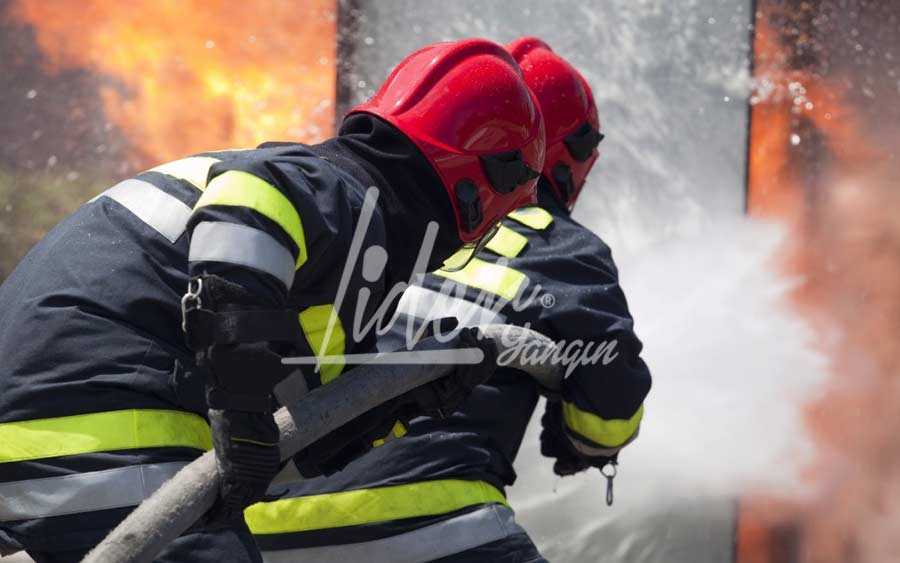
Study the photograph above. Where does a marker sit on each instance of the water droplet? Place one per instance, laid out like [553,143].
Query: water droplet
[32,94]
[726,99]
[711,21]
[51,162]
[210,44]
[795,139]
[361,84]
[369,40]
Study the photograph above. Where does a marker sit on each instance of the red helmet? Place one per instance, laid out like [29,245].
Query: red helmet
[570,116]
[468,109]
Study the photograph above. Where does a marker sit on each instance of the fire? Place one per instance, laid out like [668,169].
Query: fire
[818,164]
[186,76]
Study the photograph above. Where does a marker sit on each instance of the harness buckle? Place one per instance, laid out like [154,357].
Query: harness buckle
[191,300]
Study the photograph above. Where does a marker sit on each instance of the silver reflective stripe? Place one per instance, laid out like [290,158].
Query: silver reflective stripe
[165,214]
[83,492]
[428,304]
[598,451]
[242,245]
[485,525]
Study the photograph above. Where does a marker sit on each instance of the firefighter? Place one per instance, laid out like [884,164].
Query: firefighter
[437,493]
[103,396]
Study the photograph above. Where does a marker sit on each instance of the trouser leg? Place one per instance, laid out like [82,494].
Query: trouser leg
[233,544]
[517,548]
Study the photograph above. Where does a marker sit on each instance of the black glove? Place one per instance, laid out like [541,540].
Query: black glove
[235,341]
[439,398]
[556,444]
[247,457]
[239,392]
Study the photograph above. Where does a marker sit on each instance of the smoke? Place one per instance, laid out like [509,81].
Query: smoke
[733,370]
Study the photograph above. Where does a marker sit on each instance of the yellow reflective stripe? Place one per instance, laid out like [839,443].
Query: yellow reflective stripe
[398,431]
[366,506]
[193,169]
[501,280]
[314,321]
[100,432]
[536,218]
[507,243]
[239,188]
[606,433]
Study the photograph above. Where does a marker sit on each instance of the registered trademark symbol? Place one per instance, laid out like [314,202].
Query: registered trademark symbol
[547,300]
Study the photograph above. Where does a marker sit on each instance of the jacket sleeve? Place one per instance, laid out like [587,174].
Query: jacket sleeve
[257,224]
[606,379]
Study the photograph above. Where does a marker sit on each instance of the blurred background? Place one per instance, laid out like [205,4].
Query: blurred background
[748,186]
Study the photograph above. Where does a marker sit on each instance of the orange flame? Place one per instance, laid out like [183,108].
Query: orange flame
[187,76]
[816,165]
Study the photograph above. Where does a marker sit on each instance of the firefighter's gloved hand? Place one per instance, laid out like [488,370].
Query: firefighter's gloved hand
[247,458]
[556,444]
[438,398]
[442,397]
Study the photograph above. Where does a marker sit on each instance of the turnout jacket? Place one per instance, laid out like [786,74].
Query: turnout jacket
[543,270]
[99,398]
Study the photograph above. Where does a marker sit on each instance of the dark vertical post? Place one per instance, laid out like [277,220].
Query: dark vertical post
[348,19]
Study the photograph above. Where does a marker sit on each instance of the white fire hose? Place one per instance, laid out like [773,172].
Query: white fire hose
[186,497]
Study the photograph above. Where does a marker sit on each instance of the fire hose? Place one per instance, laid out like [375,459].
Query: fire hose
[185,498]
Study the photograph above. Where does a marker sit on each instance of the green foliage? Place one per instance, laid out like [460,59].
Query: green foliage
[32,203]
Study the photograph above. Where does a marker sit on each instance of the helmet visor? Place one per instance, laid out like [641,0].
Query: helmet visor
[465,254]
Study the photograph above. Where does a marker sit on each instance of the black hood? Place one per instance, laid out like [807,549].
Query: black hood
[411,193]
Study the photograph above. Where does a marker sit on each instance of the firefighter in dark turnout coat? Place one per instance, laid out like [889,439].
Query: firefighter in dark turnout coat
[437,493]
[102,399]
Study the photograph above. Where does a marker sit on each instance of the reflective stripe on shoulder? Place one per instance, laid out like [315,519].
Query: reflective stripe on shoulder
[496,278]
[436,541]
[536,218]
[242,189]
[424,303]
[193,170]
[367,506]
[507,243]
[611,433]
[162,212]
[102,431]
[242,245]
[314,321]
[83,492]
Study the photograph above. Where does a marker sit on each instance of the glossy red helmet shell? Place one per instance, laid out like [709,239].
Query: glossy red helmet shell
[466,106]
[570,115]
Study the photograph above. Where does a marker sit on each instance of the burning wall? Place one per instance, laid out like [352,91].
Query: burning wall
[182,77]
[824,130]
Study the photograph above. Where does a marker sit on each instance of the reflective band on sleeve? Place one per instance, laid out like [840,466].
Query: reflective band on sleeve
[507,243]
[424,303]
[193,170]
[242,245]
[536,218]
[83,492]
[242,189]
[366,506]
[314,321]
[606,433]
[102,431]
[165,214]
[429,543]
[501,280]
